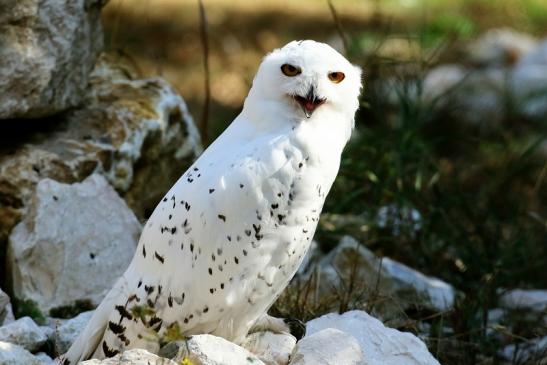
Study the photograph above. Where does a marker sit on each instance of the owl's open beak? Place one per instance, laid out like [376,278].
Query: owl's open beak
[310,102]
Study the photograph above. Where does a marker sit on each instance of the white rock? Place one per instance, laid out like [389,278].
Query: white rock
[65,334]
[48,49]
[132,357]
[74,243]
[408,288]
[327,347]
[213,350]
[500,47]
[528,83]
[6,312]
[25,333]
[11,354]
[271,348]
[534,300]
[44,358]
[380,345]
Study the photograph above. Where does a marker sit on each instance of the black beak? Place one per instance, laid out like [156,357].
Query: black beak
[310,102]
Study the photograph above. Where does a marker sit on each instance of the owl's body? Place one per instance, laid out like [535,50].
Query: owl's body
[230,234]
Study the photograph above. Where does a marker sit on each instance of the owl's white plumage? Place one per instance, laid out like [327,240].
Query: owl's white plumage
[229,235]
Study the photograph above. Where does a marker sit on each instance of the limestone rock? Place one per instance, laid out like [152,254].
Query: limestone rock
[400,286]
[132,357]
[136,132]
[399,219]
[25,333]
[48,49]
[75,242]
[65,334]
[6,312]
[380,345]
[213,350]
[11,354]
[326,347]
[271,348]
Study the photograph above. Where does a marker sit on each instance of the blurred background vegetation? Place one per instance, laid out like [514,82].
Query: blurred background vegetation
[479,189]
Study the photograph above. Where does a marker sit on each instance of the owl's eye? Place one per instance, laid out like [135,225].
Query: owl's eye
[290,70]
[336,77]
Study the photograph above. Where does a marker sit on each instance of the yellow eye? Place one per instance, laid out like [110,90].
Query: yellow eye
[336,77]
[290,70]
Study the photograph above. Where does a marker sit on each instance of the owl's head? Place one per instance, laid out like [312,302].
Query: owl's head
[305,79]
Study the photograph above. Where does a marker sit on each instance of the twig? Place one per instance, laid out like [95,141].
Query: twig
[206,103]
[339,27]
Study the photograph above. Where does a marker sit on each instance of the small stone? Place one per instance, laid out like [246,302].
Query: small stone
[380,345]
[44,358]
[6,312]
[271,348]
[132,357]
[213,350]
[531,351]
[66,333]
[11,354]
[327,347]
[25,333]
[533,300]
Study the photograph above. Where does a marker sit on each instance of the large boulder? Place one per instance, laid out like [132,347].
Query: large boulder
[380,345]
[136,132]
[48,49]
[75,241]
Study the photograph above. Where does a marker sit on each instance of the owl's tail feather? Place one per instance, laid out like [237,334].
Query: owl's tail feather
[88,341]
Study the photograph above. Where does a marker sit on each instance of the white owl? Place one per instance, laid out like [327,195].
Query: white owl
[224,242]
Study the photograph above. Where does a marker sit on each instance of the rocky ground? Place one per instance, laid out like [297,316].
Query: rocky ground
[92,147]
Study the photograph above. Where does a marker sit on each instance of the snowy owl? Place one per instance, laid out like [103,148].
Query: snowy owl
[224,242]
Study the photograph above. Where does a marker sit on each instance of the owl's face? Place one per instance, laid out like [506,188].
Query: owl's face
[308,78]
